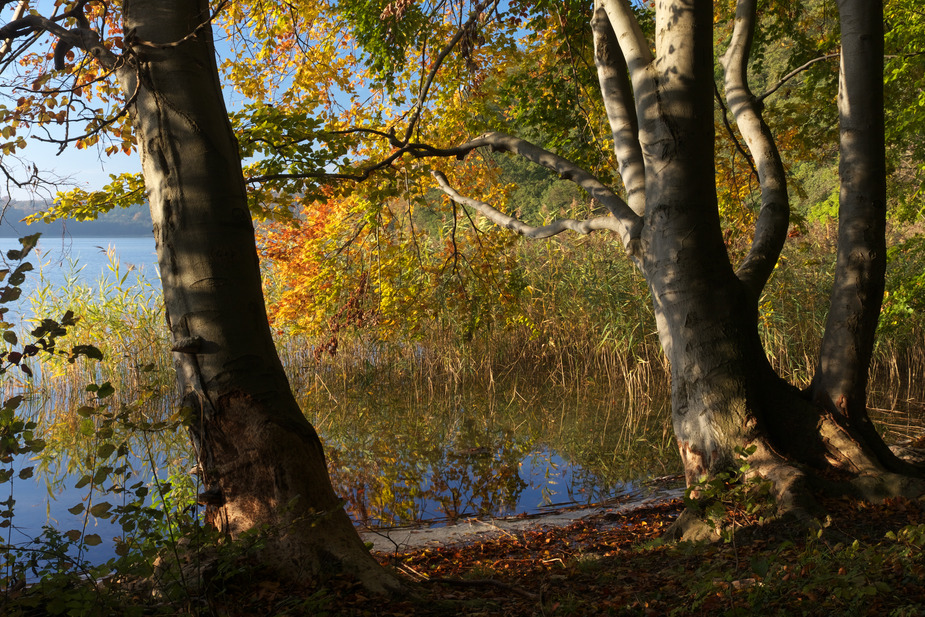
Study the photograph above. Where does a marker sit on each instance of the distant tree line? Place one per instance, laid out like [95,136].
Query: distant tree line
[134,221]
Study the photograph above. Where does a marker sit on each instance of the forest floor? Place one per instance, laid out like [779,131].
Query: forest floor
[863,560]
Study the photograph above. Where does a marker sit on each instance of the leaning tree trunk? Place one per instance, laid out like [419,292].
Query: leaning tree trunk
[261,460]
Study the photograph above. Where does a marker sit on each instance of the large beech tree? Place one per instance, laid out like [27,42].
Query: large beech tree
[260,458]
[726,398]
[659,99]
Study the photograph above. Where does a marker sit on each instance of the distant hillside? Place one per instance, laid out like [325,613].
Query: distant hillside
[135,221]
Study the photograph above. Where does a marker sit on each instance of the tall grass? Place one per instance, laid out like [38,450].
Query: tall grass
[121,314]
[578,371]
[586,325]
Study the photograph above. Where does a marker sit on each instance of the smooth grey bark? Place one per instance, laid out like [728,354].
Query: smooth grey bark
[841,378]
[774,215]
[707,321]
[725,395]
[617,93]
[260,458]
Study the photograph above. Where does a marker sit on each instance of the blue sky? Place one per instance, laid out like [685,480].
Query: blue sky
[89,168]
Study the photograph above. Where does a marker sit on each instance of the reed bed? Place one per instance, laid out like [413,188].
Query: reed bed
[580,371]
[121,314]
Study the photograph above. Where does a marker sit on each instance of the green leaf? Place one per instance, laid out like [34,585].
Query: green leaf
[12,403]
[106,390]
[10,337]
[88,351]
[101,474]
[76,509]
[73,535]
[92,539]
[29,242]
[84,481]
[100,509]
[10,294]
[26,473]
[105,450]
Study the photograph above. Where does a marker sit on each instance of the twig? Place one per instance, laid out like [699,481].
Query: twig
[732,135]
[794,73]
[133,39]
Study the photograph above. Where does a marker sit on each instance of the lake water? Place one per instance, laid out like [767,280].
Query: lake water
[88,259]
[57,262]
[446,471]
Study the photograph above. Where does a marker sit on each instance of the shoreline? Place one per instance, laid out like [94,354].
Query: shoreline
[402,539]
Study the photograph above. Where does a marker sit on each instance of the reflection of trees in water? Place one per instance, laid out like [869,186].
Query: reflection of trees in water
[390,481]
[395,460]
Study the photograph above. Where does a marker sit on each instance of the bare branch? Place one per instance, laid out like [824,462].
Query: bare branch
[508,222]
[794,73]
[630,223]
[565,168]
[635,47]
[489,5]
[83,38]
[633,42]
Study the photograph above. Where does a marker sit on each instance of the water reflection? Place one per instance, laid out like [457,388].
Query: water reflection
[397,461]
[404,464]
[396,457]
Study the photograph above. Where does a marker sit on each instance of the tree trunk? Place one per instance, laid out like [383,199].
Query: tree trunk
[725,395]
[840,382]
[261,459]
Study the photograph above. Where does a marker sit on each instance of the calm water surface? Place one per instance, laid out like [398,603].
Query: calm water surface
[452,474]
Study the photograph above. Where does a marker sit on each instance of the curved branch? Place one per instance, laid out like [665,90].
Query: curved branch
[621,113]
[626,222]
[509,222]
[774,216]
[565,168]
[82,38]
[794,73]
